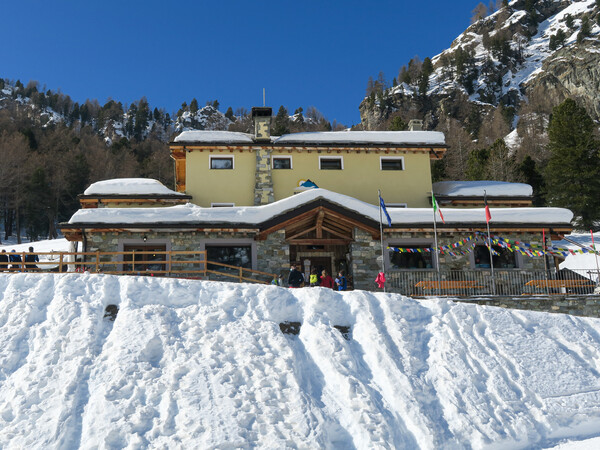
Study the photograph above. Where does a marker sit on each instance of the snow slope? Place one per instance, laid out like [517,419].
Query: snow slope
[194,364]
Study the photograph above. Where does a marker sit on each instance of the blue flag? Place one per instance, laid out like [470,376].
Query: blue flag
[382,204]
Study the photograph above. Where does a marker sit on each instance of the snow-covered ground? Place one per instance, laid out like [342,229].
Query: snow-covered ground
[197,364]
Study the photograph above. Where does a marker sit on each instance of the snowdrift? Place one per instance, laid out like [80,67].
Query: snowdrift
[193,364]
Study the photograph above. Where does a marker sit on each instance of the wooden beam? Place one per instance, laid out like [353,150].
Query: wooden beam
[308,230]
[319,223]
[286,223]
[342,235]
[320,242]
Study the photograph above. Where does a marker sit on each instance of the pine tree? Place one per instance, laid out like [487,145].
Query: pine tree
[585,30]
[281,124]
[573,171]
[397,124]
[229,114]
[194,106]
[532,176]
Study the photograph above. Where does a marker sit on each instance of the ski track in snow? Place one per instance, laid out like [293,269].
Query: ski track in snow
[192,364]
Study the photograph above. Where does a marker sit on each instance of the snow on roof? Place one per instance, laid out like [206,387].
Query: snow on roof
[324,137]
[476,188]
[255,215]
[584,263]
[129,186]
[231,137]
[370,137]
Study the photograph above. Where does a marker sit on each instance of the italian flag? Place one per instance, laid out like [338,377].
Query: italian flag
[436,209]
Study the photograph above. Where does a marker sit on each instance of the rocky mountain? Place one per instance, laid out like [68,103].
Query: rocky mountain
[524,58]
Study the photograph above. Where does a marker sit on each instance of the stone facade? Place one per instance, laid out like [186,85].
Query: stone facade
[273,254]
[366,257]
[263,186]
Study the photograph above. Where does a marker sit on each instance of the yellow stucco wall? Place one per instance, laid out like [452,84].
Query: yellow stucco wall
[360,177]
[208,186]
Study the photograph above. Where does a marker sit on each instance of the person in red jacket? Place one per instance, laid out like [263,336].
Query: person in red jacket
[326,280]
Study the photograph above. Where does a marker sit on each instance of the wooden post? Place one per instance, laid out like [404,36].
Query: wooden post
[170,259]
[241,274]
[60,263]
[97,261]
[23,263]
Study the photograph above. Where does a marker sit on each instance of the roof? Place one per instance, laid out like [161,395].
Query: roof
[388,138]
[412,138]
[477,189]
[224,137]
[126,187]
[256,215]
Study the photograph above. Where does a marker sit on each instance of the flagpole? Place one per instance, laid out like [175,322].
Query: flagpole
[545,259]
[381,235]
[595,256]
[437,258]
[490,246]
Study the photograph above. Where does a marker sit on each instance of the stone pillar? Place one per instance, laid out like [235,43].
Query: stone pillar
[273,254]
[365,267]
[263,185]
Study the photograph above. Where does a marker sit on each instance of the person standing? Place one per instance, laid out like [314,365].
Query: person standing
[15,260]
[30,260]
[314,278]
[3,260]
[326,280]
[295,279]
[340,282]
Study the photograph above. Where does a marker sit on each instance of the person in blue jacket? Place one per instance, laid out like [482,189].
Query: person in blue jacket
[340,282]
[15,260]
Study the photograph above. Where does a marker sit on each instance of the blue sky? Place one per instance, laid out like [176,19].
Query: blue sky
[310,53]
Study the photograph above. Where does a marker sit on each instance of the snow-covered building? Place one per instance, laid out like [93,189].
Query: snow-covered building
[316,228]
[130,192]
[256,169]
[471,194]
[257,202]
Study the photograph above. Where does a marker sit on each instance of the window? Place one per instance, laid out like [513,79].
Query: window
[221,205]
[505,259]
[221,162]
[282,162]
[387,163]
[331,163]
[407,260]
[240,256]
[143,261]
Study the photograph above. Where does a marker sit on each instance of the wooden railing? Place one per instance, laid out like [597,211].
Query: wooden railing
[176,263]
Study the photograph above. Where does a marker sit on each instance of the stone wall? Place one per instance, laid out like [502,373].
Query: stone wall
[273,254]
[583,305]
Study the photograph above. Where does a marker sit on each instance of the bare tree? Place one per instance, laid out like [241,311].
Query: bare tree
[479,12]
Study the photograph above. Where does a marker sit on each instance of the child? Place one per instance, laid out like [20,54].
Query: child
[326,280]
[341,282]
[314,279]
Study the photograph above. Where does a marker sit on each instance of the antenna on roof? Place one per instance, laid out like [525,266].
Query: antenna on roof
[264,103]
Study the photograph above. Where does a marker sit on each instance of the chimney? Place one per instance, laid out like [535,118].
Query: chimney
[261,116]
[415,125]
